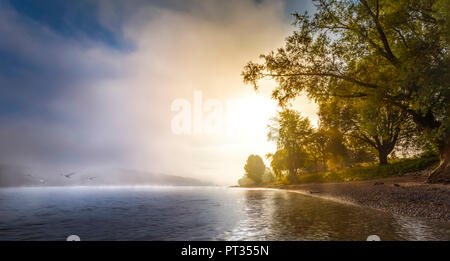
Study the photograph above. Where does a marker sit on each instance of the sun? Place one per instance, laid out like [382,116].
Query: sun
[249,116]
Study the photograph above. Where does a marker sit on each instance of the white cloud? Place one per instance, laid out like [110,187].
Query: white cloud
[120,115]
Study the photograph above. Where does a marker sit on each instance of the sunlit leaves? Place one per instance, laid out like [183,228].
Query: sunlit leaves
[393,52]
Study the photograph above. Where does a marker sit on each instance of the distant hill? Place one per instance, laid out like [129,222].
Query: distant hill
[14,176]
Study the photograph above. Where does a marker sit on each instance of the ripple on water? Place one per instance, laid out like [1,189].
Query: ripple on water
[197,214]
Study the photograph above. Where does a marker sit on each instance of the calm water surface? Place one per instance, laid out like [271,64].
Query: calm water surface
[196,213]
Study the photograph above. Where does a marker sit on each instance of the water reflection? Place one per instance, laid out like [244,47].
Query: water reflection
[279,215]
[196,213]
[418,229]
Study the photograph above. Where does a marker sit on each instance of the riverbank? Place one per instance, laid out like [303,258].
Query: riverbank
[408,195]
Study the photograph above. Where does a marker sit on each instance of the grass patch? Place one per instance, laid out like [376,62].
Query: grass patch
[394,169]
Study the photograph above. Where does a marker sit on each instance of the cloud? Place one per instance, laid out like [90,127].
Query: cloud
[83,104]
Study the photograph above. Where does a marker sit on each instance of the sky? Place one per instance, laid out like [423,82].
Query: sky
[147,85]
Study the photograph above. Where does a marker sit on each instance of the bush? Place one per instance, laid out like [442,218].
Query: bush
[245,181]
[267,177]
[397,168]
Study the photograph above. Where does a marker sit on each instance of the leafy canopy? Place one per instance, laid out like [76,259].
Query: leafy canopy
[255,168]
[393,52]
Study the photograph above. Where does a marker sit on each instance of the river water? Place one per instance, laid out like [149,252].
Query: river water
[196,213]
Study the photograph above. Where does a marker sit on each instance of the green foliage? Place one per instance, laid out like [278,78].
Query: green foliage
[267,177]
[278,162]
[304,149]
[380,128]
[338,154]
[317,148]
[283,181]
[255,168]
[392,53]
[291,132]
[397,168]
[245,181]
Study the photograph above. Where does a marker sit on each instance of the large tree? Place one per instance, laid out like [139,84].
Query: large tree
[380,127]
[394,52]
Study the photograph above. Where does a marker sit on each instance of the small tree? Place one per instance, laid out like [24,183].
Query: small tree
[291,132]
[255,168]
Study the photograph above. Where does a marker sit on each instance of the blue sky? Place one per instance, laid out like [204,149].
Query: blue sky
[75,21]
[79,19]
[54,55]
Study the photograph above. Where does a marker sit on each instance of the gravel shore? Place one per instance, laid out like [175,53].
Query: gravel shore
[408,195]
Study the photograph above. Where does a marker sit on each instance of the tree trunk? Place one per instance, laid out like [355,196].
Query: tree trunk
[292,176]
[382,156]
[316,165]
[442,173]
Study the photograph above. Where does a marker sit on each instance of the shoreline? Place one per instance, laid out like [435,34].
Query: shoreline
[408,195]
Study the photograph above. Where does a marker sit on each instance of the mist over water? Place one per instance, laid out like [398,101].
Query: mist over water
[195,213]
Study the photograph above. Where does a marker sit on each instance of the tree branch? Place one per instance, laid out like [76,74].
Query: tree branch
[383,38]
[343,77]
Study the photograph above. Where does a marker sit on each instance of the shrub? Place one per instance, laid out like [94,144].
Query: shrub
[397,168]
[245,181]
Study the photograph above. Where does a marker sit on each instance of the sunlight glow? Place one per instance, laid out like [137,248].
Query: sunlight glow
[250,115]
